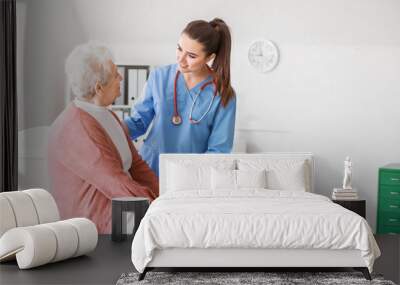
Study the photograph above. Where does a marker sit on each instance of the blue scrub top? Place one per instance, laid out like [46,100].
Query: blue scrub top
[214,134]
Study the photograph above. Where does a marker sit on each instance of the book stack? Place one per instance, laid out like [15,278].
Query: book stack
[344,194]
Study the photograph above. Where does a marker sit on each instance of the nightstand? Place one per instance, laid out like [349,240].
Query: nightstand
[137,205]
[357,206]
[388,219]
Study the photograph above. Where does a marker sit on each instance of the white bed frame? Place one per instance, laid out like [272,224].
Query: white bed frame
[246,258]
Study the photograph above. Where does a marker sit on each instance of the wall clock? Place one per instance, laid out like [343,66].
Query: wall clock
[263,55]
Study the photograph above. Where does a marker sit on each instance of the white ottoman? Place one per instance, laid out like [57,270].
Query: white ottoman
[31,233]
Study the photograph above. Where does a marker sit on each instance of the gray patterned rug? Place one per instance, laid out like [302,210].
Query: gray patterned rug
[270,278]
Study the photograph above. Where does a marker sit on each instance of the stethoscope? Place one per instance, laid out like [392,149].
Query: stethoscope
[176,118]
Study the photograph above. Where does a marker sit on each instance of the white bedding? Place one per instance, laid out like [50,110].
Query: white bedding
[251,218]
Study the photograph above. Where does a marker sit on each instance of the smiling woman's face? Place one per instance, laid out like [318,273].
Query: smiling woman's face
[190,55]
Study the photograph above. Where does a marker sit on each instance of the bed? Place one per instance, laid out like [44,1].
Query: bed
[244,211]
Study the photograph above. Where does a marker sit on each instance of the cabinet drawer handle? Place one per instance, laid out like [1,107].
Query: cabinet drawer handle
[394,193]
[395,179]
[393,206]
[393,220]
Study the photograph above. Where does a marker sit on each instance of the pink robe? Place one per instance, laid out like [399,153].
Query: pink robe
[86,171]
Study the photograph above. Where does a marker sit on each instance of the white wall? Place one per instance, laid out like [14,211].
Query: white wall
[334,92]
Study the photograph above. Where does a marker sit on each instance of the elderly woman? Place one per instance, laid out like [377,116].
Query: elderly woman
[91,158]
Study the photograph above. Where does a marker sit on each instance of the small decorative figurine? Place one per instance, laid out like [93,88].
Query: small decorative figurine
[347,174]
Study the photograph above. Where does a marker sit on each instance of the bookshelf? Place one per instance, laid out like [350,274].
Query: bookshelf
[132,84]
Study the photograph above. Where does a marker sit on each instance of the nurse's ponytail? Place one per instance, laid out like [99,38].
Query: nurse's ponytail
[216,38]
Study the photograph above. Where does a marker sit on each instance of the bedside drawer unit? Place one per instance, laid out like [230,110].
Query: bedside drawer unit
[388,216]
[356,206]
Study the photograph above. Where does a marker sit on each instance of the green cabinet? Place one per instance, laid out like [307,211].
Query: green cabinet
[388,220]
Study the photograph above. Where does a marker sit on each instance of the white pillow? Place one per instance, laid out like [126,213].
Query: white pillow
[226,179]
[183,177]
[251,178]
[223,179]
[187,174]
[282,174]
[287,179]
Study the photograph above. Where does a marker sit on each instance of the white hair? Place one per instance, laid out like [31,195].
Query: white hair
[86,65]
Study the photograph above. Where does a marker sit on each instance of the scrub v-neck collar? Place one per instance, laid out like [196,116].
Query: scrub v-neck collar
[195,89]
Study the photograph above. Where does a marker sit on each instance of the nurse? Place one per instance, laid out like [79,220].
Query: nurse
[191,104]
